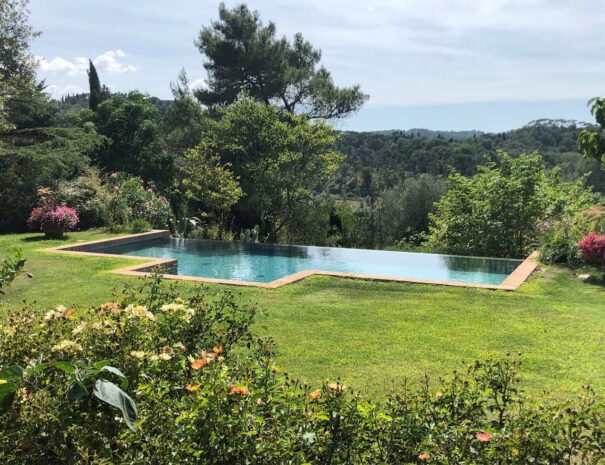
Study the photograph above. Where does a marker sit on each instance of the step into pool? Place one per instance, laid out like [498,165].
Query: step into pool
[264,263]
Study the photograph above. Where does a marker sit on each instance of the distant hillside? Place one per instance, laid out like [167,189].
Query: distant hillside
[431,134]
[379,160]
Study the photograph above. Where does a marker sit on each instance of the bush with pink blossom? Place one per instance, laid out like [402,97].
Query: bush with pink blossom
[53,220]
[592,247]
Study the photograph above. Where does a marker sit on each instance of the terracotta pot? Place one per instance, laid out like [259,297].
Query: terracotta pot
[53,231]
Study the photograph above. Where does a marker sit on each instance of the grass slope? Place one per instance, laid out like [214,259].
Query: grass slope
[372,334]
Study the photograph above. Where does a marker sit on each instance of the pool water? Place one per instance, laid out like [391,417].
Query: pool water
[263,263]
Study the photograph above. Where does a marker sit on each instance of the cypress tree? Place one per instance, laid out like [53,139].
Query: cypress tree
[94,84]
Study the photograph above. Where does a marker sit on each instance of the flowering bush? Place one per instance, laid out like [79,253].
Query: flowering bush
[559,239]
[130,195]
[207,391]
[593,248]
[56,218]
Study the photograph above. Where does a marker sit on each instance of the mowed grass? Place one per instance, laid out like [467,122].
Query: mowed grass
[370,334]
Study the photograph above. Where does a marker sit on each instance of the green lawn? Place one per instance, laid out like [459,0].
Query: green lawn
[370,334]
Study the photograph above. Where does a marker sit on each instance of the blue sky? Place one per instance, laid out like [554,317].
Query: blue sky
[489,65]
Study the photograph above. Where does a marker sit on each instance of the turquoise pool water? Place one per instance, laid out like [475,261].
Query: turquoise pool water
[267,262]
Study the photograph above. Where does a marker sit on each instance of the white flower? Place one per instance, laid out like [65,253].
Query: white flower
[67,346]
[138,354]
[78,329]
[173,308]
[139,311]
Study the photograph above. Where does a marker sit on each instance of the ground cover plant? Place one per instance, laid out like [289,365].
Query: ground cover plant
[157,376]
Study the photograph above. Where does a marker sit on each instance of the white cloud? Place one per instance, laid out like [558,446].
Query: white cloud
[108,62]
[200,83]
[59,65]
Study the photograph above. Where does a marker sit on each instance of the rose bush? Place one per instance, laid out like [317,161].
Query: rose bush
[207,391]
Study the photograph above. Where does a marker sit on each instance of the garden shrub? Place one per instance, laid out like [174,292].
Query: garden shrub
[592,247]
[38,157]
[130,199]
[87,195]
[207,391]
[498,212]
[559,242]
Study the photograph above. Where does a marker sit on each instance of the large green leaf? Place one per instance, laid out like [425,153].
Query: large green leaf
[7,394]
[11,373]
[65,367]
[113,395]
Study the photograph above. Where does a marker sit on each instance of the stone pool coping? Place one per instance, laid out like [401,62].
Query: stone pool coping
[511,283]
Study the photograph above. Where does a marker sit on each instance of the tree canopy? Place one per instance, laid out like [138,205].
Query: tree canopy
[592,140]
[130,122]
[23,103]
[280,162]
[244,55]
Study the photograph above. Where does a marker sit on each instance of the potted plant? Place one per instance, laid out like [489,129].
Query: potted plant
[53,220]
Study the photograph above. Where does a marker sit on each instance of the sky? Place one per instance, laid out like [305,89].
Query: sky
[489,65]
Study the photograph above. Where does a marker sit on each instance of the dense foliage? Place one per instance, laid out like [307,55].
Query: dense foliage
[129,201]
[243,55]
[378,160]
[39,157]
[259,161]
[130,123]
[279,161]
[23,104]
[498,211]
[202,389]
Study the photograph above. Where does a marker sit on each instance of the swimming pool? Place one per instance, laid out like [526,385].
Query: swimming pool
[266,263]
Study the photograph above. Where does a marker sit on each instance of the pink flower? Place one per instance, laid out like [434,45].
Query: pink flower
[150,190]
[62,215]
[33,222]
[593,248]
[483,437]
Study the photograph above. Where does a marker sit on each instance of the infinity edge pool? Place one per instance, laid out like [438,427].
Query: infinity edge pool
[517,277]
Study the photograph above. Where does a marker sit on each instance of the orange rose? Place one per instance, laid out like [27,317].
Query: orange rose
[194,388]
[199,363]
[239,390]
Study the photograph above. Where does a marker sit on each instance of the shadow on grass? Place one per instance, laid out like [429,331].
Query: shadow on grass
[43,238]
[596,281]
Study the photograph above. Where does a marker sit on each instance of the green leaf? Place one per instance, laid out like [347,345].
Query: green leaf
[11,373]
[77,390]
[65,367]
[113,395]
[101,364]
[119,374]
[7,394]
